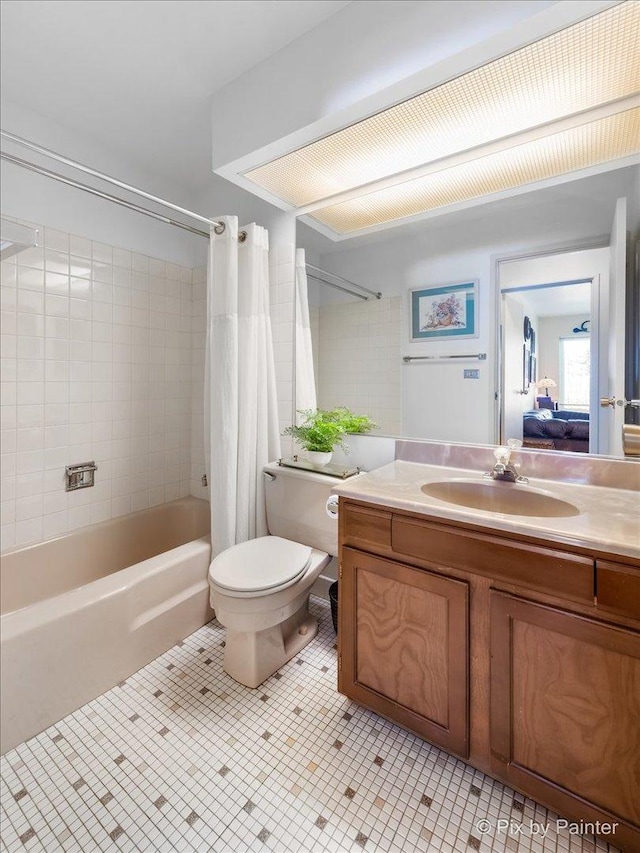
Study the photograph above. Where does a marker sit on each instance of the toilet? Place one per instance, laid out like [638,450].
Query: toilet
[260,589]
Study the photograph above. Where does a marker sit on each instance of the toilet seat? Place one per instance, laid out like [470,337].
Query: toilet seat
[262,565]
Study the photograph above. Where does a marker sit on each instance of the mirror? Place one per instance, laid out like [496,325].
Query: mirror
[473,382]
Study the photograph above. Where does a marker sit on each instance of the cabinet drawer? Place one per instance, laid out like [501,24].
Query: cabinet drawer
[366,528]
[544,569]
[618,588]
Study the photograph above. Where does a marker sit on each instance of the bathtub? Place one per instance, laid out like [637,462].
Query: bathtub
[83,612]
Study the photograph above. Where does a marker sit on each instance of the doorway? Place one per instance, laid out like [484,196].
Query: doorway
[549,377]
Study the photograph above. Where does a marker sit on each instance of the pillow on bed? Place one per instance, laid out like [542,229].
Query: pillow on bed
[570,415]
[539,414]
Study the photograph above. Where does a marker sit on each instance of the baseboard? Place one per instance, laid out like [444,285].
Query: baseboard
[321,587]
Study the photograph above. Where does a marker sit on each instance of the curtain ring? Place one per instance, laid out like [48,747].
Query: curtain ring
[242,236]
[219,228]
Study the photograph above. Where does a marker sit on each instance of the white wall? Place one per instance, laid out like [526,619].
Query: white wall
[569,266]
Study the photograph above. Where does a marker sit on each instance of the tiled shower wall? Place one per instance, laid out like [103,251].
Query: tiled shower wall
[357,359]
[96,364]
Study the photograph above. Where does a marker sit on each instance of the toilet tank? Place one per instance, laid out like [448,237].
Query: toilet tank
[296,502]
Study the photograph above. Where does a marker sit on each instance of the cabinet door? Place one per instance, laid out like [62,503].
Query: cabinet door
[404,646]
[565,711]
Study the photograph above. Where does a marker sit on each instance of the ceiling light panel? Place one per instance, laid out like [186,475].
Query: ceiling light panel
[583,66]
[578,148]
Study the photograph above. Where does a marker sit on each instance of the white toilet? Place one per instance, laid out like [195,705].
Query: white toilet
[260,589]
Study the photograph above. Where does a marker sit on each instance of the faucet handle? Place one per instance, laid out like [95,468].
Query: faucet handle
[514,443]
[502,455]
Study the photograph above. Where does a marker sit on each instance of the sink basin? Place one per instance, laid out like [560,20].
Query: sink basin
[492,496]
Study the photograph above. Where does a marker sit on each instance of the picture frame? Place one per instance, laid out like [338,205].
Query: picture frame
[526,368]
[445,312]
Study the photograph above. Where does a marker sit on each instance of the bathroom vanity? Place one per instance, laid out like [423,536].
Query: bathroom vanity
[512,641]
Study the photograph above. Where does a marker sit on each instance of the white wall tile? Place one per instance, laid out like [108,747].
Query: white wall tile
[354,344]
[77,361]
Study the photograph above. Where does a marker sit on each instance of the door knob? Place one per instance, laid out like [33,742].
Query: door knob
[612,401]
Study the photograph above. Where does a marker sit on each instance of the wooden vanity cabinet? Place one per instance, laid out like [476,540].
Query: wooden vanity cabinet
[404,646]
[565,708]
[520,657]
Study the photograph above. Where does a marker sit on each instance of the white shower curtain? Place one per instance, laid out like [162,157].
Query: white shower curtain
[241,417]
[305,384]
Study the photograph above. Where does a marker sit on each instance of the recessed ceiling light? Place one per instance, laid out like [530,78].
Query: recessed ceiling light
[569,73]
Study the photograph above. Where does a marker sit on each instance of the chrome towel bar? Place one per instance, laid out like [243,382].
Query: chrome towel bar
[480,356]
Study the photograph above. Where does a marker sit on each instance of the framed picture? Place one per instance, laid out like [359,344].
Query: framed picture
[533,368]
[526,368]
[445,311]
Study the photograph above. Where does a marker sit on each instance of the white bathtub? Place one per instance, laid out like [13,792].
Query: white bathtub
[83,612]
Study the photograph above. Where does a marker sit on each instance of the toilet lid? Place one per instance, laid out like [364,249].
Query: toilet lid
[260,564]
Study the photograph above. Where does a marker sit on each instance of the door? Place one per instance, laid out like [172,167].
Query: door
[612,340]
[565,711]
[404,646]
[516,398]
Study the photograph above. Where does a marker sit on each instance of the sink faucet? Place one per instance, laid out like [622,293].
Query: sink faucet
[503,469]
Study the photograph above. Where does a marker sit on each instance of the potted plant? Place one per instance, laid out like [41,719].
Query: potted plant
[317,433]
[321,430]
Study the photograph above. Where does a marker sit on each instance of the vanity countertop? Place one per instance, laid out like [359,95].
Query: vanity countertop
[608,519]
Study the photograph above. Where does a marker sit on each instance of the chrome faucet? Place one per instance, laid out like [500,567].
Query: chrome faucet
[503,469]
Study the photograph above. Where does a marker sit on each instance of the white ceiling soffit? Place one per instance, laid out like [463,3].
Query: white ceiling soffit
[567,104]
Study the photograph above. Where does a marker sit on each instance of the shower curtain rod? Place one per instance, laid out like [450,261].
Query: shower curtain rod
[338,287]
[377,294]
[40,170]
[218,228]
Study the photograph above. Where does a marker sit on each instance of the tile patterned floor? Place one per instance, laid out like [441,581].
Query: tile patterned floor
[181,758]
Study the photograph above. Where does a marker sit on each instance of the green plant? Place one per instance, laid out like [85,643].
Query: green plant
[352,423]
[319,431]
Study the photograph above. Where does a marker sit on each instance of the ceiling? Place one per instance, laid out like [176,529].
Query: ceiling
[138,75]
[557,301]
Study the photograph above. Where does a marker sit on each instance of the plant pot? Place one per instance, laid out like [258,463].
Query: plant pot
[317,457]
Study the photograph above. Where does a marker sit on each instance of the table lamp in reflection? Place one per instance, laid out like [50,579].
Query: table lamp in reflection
[545,402]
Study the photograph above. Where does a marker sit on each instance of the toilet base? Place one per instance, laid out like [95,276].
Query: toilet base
[251,657]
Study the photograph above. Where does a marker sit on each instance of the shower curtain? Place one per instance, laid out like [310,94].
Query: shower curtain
[241,417]
[305,383]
